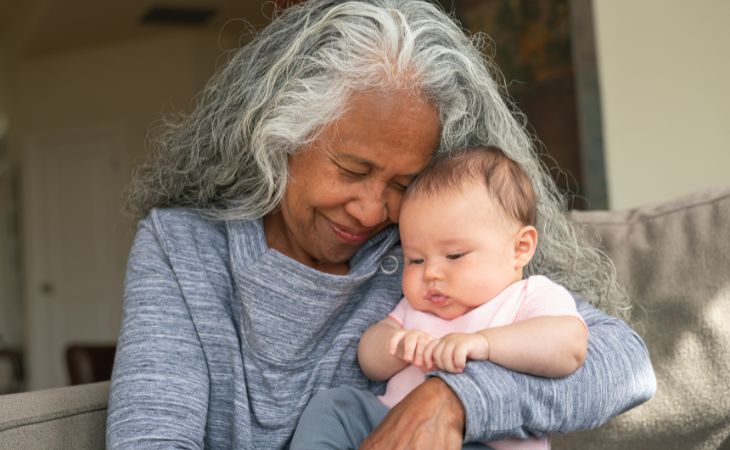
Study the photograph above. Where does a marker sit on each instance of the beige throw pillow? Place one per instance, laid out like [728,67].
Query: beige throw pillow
[674,260]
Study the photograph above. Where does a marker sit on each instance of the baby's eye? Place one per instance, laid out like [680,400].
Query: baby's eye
[415,261]
[453,256]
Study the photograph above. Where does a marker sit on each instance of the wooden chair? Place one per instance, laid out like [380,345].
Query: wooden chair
[89,363]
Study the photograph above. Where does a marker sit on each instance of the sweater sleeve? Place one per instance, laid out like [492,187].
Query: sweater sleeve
[159,389]
[616,376]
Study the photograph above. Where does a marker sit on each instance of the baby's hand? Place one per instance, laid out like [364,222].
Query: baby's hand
[409,346]
[451,351]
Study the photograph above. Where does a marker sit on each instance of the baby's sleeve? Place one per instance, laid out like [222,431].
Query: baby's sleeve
[544,297]
[400,312]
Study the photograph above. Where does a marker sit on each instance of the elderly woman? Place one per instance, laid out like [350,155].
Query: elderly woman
[268,243]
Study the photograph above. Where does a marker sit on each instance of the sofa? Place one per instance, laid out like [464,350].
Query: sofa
[674,260]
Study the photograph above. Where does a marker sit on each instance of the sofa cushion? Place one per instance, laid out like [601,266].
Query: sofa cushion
[674,260]
[65,418]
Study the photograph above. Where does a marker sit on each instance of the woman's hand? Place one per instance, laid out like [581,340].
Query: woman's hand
[430,417]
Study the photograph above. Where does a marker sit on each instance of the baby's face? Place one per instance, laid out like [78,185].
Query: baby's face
[459,251]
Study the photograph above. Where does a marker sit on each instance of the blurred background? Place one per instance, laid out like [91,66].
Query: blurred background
[630,98]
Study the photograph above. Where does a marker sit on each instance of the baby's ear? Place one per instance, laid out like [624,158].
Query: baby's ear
[525,245]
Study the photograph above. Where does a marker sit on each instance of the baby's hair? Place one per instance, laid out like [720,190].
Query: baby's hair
[505,180]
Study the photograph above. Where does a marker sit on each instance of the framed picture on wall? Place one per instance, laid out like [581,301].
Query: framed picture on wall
[545,50]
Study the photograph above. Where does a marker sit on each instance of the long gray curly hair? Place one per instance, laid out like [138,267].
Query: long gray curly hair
[228,158]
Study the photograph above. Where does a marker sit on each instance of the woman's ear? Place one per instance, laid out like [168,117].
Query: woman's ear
[525,245]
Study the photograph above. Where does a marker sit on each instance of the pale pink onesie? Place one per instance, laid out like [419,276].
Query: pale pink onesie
[531,297]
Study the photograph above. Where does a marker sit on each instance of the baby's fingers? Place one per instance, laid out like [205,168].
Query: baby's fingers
[444,357]
[448,358]
[438,352]
[421,345]
[461,352]
[410,343]
[428,358]
[394,341]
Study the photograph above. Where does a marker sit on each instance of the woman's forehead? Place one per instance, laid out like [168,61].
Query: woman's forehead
[378,126]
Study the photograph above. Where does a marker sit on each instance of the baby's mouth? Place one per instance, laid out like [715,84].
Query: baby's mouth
[436,297]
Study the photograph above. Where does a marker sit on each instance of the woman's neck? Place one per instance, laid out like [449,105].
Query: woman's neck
[277,239]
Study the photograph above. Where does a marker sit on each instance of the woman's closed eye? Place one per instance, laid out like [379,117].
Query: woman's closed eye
[399,186]
[352,173]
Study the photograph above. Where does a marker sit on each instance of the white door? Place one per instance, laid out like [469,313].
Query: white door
[76,246]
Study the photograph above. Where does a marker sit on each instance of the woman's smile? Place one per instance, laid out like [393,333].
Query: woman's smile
[352,236]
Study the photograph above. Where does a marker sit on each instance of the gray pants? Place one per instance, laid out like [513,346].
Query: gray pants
[340,419]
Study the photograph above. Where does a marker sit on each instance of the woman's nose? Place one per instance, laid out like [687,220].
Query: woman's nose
[369,208]
[368,212]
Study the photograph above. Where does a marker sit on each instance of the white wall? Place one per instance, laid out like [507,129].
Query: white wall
[125,86]
[129,84]
[664,68]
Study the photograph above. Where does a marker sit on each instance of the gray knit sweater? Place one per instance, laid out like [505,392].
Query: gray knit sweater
[224,341]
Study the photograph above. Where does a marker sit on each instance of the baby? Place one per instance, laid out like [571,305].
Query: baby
[467,227]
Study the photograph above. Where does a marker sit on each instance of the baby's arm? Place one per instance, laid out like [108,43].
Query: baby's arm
[548,346]
[386,348]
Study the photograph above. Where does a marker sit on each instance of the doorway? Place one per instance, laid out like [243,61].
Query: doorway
[76,244]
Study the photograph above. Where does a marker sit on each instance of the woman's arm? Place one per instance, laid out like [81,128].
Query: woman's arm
[616,376]
[159,390]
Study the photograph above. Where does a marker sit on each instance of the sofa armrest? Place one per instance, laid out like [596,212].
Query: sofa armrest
[63,418]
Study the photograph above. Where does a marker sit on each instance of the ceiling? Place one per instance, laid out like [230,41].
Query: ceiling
[30,27]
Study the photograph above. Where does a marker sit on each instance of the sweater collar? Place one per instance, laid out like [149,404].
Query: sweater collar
[248,244]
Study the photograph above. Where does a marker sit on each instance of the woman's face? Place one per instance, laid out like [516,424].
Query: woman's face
[347,185]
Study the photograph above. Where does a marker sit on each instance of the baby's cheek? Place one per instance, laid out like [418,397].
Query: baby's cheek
[410,282]
[470,286]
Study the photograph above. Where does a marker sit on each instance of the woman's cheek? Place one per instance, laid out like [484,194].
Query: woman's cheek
[338,194]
